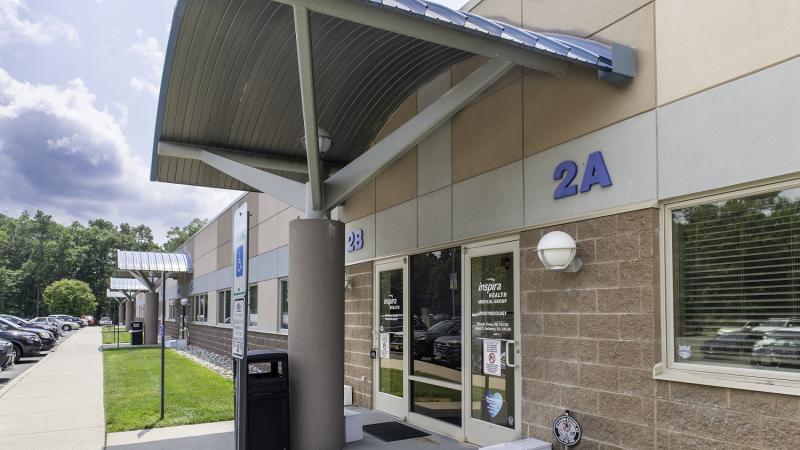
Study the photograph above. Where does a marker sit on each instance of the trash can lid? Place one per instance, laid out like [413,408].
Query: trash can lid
[266,354]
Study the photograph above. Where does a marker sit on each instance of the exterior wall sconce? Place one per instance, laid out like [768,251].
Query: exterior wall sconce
[557,252]
[324,138]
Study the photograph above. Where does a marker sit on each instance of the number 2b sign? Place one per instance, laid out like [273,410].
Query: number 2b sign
[596,172]
[354,240]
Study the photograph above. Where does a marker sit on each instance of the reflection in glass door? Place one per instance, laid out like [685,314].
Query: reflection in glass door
[494,374]
[435,380]
[390,338]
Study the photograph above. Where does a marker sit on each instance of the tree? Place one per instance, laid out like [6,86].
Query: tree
[72,297]
[177,236]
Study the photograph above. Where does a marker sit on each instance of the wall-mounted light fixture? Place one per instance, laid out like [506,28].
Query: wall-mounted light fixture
[184,301]
[557,252]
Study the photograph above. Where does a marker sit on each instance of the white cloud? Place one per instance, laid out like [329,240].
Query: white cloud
[60,153]
[35,28]
[147,47]
[140,85]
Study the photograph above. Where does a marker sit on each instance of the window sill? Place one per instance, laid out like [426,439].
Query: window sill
[746,383]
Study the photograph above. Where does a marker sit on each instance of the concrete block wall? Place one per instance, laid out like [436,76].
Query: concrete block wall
[590,341]
[358,308]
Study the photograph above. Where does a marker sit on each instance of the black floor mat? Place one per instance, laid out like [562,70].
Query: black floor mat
[393,431]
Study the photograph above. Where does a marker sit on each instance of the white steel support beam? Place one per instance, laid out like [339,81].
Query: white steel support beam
[288,191]
[144,280]
[363,13]
[349,179]
[305,64]
[178,150]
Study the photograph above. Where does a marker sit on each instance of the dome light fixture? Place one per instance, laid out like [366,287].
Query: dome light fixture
[557,252]
[323,138]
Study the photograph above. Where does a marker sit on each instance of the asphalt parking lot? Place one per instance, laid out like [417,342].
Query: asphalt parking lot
[29,361]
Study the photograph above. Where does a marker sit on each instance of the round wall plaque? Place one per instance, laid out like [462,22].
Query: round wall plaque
[567,430]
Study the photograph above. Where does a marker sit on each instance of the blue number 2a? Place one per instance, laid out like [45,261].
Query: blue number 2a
[596,172]
[566,171]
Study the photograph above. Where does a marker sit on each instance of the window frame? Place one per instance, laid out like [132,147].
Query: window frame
[226,297]
[250,304]
[712,374]
[196,299]
[281,328]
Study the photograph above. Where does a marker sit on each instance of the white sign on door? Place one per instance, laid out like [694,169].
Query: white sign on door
[491,357]
[240,258]
[385,345]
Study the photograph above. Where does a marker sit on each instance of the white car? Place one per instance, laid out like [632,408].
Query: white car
[61,324]
[105,321]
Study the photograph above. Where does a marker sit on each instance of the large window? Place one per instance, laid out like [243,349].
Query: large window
[224,306]
[283,301]
[252,302]
[200,303]
[735,288]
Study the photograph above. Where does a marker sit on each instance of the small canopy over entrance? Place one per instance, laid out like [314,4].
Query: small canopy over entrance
[271,95]
[148,267]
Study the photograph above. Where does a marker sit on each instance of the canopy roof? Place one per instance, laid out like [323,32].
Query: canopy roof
[126,284]
[153,262]
[115,294]
[232,82]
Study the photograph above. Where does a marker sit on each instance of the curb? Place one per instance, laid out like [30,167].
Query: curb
[22,376]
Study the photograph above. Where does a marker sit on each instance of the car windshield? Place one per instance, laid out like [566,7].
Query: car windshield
[773,323]
[10,323]
[442,326]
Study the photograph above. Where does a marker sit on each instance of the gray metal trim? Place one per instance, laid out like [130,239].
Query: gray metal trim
[349,179]
[177,149]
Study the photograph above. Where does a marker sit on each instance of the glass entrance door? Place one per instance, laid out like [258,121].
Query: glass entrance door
[390,337]
[492,360]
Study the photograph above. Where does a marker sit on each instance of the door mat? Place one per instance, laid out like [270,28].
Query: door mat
[393,431]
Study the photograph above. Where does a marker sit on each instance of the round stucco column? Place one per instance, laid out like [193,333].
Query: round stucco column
[316,333]
[150,318]
[120,313]
[130,310]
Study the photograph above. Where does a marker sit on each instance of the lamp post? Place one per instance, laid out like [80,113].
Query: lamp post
[184,302]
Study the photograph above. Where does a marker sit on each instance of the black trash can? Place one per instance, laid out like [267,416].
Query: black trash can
[267,400]
[137,333]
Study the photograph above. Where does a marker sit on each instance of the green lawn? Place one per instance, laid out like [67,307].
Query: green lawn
[194,394]
[109,337]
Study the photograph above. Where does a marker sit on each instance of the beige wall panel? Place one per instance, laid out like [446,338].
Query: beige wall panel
[508,11]
[211,314]
[268,305]
[360,204]
[224,255]
[488,134]
[469,65]
[398,183]
[407,110]
[251,198]
[433,90]
[206,240]
[267,235]
[267,207]
[560,109]
[578,17]
[225,226]
[720,40]
[284,217]
[206,263]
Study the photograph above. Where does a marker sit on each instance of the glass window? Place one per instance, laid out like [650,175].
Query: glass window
[390,322]
[224,306]
[736,281]
[436,401]
[252,302]
[172,310]
[283,298]
[200,308]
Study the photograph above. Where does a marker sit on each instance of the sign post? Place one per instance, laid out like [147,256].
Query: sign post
[240,308]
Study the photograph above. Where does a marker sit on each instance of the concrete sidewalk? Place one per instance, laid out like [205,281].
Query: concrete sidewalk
[59,402]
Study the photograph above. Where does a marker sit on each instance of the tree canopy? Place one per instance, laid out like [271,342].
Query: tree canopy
[36,251]
[72,297]
[177,236]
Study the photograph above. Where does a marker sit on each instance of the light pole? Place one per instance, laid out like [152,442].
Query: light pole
[184,302]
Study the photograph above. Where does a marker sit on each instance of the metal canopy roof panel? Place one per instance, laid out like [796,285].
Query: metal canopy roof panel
[231,75]
[114,294]
[127,284]
[153,262]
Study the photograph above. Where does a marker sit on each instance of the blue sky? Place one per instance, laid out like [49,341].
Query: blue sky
[79,84]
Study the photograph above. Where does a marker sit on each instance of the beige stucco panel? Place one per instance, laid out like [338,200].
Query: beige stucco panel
[508,11]
[720,40]
[206,240]
[360,204]
[267,235]
[578,17]
[206,263]
[560,109]
[268,305]
[398,183]
[284,218]
[267,207]
[488,134]
[401,115]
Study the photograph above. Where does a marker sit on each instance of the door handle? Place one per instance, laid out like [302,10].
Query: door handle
[509,353]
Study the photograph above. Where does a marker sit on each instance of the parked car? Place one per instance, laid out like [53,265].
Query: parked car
[105,321]
[423,340]
[27,324]
[87,320]
[24,342]
[60,324]
[773,324]
[447,351]
[6,354]
[73,320]
[744,325]
[779,348]
[47,340]
[730,345]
